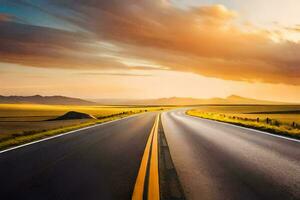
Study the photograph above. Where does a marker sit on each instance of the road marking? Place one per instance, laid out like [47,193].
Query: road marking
[63,134]
[153,184]
[140,181]
[245,128]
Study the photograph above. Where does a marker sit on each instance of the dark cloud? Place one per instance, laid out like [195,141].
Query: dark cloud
[5,17]
[46,47]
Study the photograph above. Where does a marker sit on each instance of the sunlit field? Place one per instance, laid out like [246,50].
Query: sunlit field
[279,119]
[29,122]
[30,111]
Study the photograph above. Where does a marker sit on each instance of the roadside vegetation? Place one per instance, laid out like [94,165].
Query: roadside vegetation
[281,120]
[23,123]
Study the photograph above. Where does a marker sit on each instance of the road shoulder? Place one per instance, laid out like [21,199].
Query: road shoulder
[170,185]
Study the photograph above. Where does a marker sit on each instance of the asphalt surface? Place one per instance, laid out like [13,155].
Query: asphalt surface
[218,161]
[97,163]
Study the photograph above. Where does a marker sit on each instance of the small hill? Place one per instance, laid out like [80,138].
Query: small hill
[38,99]
[75,115]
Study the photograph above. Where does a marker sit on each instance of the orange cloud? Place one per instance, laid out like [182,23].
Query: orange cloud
[294,28]
[206,40]
[215,13]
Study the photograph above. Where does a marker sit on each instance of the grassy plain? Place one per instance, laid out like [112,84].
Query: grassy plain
[277,119]
[21,123]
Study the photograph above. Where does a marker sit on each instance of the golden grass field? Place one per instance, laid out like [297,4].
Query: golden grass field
[278,119]
[20,123]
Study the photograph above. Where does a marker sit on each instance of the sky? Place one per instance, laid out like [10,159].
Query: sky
[151,48]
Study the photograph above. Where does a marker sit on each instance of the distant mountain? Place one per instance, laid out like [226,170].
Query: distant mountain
[38,99]
[62,100]
[233,99]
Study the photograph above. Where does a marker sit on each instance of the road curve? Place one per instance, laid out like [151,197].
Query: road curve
[218,161]
[97,163]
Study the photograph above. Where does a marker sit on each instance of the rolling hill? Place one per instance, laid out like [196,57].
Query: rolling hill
[38,99]
[233,99]
[62,100]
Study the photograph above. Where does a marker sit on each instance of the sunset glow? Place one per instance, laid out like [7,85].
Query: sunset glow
[151,48]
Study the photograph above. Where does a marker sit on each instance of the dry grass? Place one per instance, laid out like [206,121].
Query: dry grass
[249,116]
[21,123]
[48,111]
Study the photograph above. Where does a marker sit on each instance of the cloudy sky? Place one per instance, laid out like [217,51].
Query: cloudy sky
[151,48]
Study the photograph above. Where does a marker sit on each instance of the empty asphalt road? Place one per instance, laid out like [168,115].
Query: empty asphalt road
[217,161]
[214,161]
[97,163]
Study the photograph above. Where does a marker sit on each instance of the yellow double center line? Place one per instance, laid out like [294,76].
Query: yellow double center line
[153,181]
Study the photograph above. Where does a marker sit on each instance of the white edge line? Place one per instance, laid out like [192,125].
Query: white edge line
[249,129]
[67,133]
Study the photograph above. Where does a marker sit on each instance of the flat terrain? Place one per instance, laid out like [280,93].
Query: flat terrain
[48,111]
[18,119]
[284,113]
[220,161]
[282,120]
